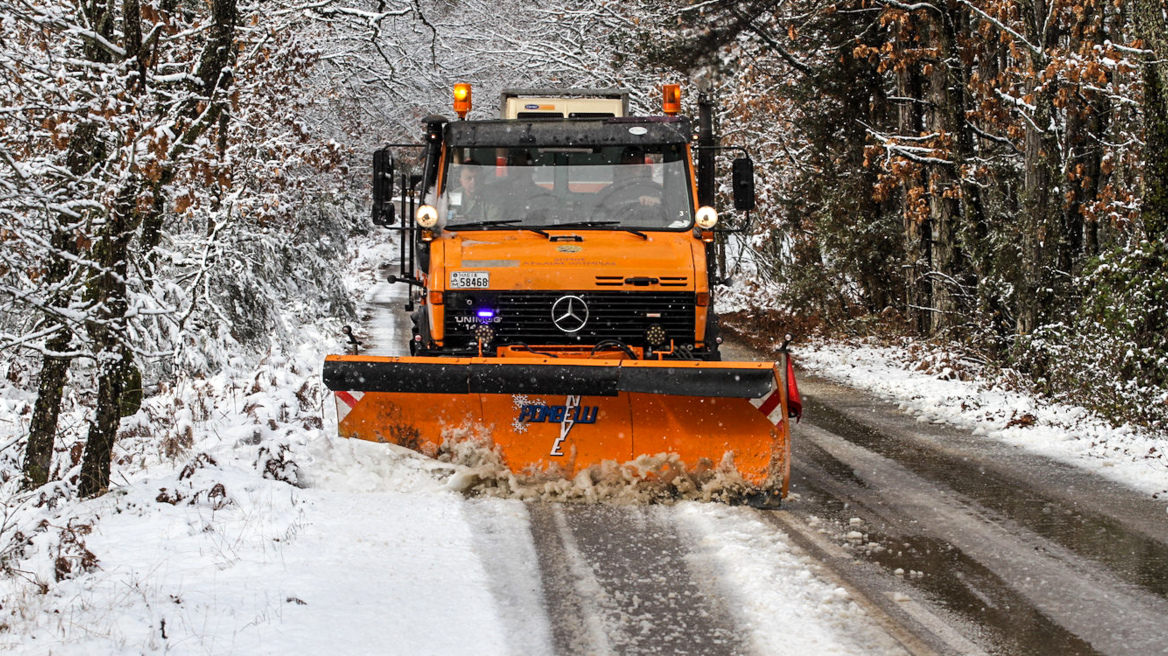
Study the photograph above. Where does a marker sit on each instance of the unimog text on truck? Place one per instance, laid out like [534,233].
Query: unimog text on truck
[562,280]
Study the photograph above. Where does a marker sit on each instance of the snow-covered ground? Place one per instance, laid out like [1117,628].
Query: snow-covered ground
[238,523]
[941,388]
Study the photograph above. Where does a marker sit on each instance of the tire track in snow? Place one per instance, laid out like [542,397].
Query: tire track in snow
[617,580]
[570,591]
[502,536]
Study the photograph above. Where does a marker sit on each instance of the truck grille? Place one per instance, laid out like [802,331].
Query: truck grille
[527,316]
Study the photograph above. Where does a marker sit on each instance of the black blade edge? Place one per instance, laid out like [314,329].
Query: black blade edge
[441,378]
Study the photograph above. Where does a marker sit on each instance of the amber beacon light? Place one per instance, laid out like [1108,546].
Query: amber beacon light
[671,99]
[461,99]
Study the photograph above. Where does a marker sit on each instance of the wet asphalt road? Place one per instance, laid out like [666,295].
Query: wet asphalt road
[1015,553]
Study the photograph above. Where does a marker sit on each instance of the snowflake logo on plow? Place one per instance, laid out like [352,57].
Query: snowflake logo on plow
[519,401]
[567,416]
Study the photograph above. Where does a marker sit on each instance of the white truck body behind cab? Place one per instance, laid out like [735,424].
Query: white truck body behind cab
[563,103]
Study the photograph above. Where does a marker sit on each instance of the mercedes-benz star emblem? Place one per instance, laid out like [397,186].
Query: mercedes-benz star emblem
[570,313]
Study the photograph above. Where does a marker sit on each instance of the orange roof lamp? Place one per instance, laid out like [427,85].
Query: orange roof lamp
[670,99]
[461,99]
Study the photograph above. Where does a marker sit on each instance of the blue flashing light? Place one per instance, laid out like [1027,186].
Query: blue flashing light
[486,314]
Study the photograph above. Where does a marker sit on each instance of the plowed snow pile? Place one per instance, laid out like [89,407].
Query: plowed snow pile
[479,470]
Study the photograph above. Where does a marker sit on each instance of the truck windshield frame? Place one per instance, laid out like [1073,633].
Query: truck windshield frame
[615,187]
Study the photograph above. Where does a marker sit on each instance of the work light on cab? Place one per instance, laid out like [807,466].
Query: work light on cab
[706,217]
[461,99]
[670,99]
[427,216]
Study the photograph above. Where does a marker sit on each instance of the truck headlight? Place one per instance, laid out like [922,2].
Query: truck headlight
[655,335]
[427,216]
[706,217]
[484,333]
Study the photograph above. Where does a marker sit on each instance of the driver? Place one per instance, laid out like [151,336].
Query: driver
[473,207]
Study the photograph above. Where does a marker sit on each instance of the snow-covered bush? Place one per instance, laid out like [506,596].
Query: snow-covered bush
[1112,355]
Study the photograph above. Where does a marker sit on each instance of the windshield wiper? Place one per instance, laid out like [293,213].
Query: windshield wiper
[498,222]
[585,224]
[592,224]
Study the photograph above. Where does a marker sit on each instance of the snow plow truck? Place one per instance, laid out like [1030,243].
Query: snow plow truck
[562,277]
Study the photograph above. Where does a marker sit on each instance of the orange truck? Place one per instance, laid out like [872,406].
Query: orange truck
[562,281]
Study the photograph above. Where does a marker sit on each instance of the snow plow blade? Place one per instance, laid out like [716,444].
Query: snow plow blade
[560,416]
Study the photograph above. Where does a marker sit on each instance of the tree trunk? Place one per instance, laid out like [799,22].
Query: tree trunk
[1153,30]
[917,255]
[1084,155]
[1154,208]
[85,150]
[1041,230]
[1038,232]
[42,431]
[946,118]
[214,67]
[1098,122]
[95,466]
[974,264]
[100,16]
[107,291]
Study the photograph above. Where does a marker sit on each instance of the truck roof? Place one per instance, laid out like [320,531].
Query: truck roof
[623,131]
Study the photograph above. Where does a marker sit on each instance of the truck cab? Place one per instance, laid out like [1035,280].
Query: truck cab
[568,228]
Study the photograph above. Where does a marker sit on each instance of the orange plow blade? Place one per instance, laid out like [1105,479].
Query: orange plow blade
[560,416]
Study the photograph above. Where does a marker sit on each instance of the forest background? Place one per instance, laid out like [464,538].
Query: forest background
[179,178]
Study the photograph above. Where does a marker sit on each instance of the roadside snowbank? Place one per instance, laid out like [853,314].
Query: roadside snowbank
[931,387]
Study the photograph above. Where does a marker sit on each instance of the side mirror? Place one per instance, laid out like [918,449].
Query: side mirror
[743,184]
[383,187]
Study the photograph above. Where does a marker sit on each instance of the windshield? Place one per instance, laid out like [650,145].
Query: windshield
[611,186]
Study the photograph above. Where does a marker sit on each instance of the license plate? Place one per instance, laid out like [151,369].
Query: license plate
[470,280]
